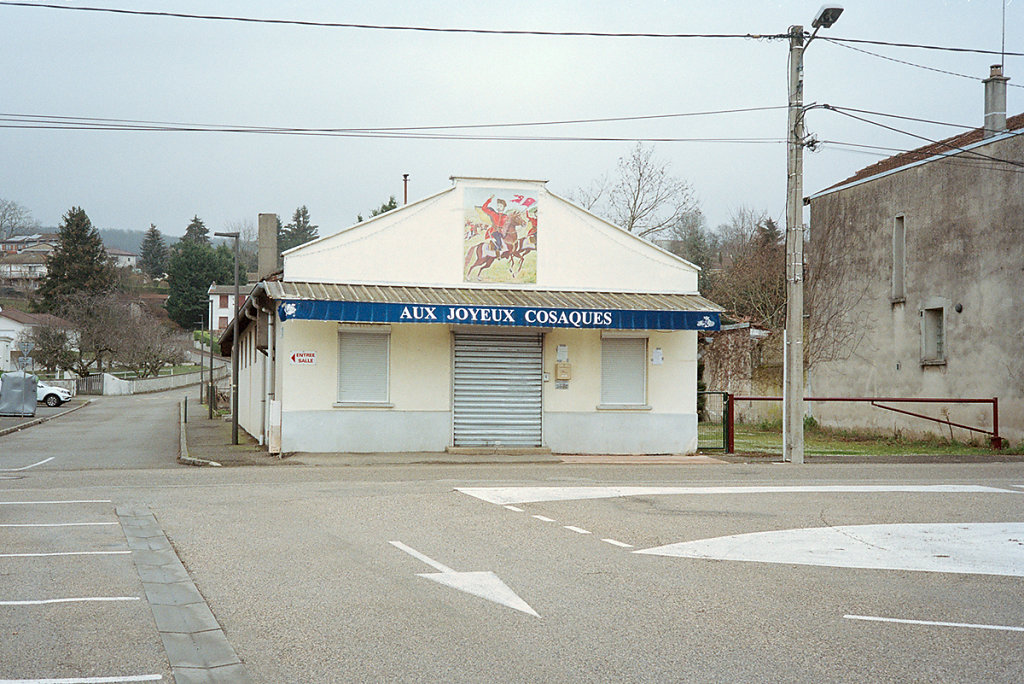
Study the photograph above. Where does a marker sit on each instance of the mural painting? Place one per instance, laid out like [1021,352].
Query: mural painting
[500,238]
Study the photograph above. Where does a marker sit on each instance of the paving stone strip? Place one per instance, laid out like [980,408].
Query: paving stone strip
[195,644]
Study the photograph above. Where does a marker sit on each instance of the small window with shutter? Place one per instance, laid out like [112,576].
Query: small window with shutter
[623,371]
[363,366]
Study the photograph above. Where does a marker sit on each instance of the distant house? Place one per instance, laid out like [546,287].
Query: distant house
[14,325]
[933,243]
[122,259]
[222,303]
[24,271]
[19,243]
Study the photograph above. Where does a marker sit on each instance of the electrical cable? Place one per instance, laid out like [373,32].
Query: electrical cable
[943,143]
[919,66]
[390,27]
[944,48]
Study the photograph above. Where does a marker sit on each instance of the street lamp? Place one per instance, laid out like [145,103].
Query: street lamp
[793,391]
[234,347]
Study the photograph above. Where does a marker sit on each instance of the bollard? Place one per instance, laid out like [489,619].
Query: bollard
[186,408]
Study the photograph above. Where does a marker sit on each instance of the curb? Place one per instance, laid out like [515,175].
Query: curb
[39,421]
[183,455]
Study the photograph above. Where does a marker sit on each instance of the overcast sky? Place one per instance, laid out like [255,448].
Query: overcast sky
[82,64]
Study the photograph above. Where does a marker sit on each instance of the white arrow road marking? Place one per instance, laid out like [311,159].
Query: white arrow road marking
[14,470]
[968,548]
[518,495]
[484,584]
[929,623]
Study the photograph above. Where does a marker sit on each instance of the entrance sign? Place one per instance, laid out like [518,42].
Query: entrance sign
[512,316]
[303,358]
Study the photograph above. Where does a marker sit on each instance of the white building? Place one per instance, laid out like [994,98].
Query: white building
[121,258]
[492,314]
[14,327]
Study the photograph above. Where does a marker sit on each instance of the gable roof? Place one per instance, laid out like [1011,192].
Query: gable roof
[26,318]
[949,146]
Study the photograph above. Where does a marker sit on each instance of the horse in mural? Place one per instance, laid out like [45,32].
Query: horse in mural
[501,243]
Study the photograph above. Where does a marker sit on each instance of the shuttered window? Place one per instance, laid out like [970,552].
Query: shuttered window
[624,371]
[363,366]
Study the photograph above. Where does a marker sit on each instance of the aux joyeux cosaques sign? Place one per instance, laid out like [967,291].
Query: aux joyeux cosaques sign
[513,316]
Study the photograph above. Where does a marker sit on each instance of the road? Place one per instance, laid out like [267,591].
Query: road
[330,573]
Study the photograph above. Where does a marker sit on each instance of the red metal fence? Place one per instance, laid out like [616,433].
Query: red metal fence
[994,439]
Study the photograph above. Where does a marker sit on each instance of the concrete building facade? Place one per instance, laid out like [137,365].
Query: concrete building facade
[492,314]
[934,244]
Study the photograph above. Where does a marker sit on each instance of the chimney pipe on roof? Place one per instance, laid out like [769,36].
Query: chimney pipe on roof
[995,101]
[266,255]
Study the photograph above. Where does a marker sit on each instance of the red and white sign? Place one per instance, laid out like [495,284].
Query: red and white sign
[303,358]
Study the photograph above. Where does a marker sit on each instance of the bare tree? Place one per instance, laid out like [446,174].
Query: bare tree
[751,281]
[643,197]
[15,219]
[96,325]
[148,346]
[832,293]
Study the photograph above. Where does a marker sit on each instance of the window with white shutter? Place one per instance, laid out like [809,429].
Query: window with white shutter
[624,371]
[363,366]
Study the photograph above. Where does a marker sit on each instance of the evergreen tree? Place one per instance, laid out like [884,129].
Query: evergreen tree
[298,232]
[392,203]
[78,265]
[154,253]
[192,268]
[197,232]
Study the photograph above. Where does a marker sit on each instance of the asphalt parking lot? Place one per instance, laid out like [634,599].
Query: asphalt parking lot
[42,411]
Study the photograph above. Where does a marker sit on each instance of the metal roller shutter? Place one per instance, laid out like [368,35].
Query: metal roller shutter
[497,386]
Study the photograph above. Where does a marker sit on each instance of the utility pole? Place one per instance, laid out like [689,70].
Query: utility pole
[234,346]
[793,428]
[793,393]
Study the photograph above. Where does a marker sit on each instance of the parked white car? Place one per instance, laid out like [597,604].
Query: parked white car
[52,396]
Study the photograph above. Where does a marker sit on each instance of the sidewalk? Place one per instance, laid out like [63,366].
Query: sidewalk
[211,440]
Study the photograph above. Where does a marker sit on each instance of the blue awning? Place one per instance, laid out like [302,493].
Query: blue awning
[492,306]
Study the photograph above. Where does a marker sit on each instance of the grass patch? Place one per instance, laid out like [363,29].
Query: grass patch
[766,438]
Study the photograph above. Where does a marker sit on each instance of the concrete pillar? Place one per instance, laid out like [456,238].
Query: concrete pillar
[266,262]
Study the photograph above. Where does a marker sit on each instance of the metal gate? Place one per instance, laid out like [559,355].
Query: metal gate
[712,423]
[497,390]
[91,384]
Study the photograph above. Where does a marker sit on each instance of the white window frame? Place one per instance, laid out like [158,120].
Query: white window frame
[365,402]
[641,405]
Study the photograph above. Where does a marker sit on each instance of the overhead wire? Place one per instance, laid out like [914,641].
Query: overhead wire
[905,62]
[390,27]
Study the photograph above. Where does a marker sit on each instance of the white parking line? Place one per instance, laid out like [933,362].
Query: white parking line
[86,599]
[543,518]
[14,470]
[87,680]
[77,524]
[614,542]
[513,508]
[578,530]
[62,553]
[30,503]
[930,623]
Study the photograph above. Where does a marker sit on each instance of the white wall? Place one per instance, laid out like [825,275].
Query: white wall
[422,244]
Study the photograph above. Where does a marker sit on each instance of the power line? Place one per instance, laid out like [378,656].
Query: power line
[944,48]
[945,144]
[893,116]
[57,119]
[946,158]
[913,64]
[391,27]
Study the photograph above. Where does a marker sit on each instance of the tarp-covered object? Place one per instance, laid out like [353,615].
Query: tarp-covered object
[18,394]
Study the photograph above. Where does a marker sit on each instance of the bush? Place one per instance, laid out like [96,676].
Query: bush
[810,424]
